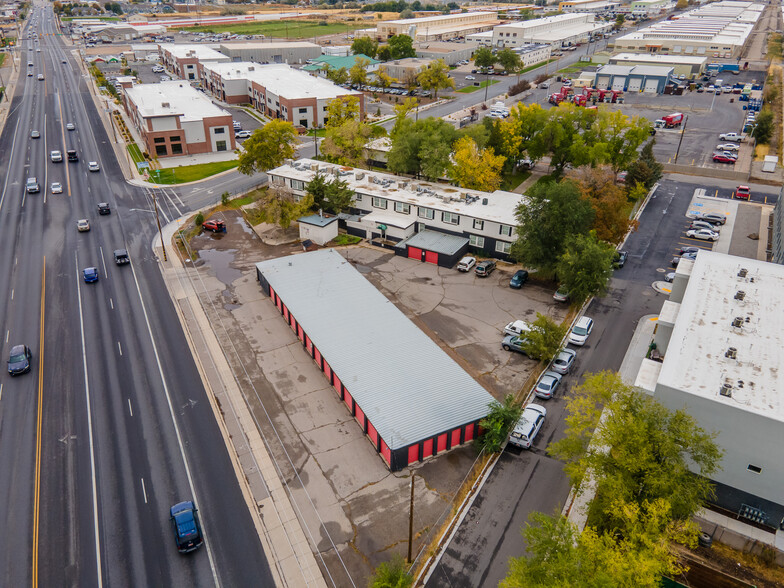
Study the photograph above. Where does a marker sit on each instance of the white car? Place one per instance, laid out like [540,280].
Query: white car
[243,134]
[581,330]
[70,126]
[704,234]
[56,156]
[517,328]
[728,147]
[40,76]
[57,188]
[528,426]
[93,166]
[465,264]
[83,225]
[470,78]
[731,137]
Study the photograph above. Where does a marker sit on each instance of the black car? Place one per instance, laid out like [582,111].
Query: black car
[121,257]
[186,526]
[72,155]
[519,278]
[103,208]
[485,268]
[19,360]
[619,259]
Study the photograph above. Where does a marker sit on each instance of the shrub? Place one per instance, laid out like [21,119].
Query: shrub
[199,220]
[519,87]
[225,198]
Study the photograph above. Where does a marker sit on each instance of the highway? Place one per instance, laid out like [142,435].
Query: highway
[113,425]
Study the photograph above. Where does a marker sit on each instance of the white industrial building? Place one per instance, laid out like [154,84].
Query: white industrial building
[533,53]
[560,30]
[397,208]
[721,339]
[184,60]
[593,7]
[687,65]
[272,51]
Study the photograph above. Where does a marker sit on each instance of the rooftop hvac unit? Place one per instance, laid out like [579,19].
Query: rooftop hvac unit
[402,185]
[726,390]
[359,176]
[314,166]
[742,273]
[484,201]
[737,322]
[165,105]
[288,161]
[740,295]
[731,353]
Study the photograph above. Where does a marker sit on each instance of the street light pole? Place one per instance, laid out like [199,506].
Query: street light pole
[683,130]
[158,221]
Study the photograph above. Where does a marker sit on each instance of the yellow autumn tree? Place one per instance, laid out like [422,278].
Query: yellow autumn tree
[474,168]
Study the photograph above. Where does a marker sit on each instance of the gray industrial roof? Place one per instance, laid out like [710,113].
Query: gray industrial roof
[317,220]
[436,241]
[406,385]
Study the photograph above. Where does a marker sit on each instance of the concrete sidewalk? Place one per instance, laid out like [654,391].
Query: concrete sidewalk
[290,556]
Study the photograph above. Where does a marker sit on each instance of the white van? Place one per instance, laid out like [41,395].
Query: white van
[517,328]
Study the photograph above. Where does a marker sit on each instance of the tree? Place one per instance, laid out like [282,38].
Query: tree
[400,47]
[484,57]
[268,147]
[585,267]
[383,78]
[435,76]
[562,137]
[337,76]
[345,144]
[474,168]
[518,131]
[682,4]
[641,452]
[317,188]
[406,14]
[391,574]
[619,20]
[278,206]
[645,170]
[543,341]
[763,130]
[358,72]
[341,110]
[421,147]
[340,196]
[611,208]
[510,61]
[551,214]
[364,46]
[384,53]
[614,138]
[496,425]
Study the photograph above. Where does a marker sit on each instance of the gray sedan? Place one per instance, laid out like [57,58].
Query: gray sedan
[564,361]
[547,385]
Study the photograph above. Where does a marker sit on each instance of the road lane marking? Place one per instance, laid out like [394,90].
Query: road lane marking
[103,262]
[90,431]
[144,491]
[10,162]
[111,303]
[119,347]
[6,336]
[12,293]
[130,408]
[39,420]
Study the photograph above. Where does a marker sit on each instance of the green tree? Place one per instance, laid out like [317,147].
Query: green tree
[317,188]
[358,72]
[562,137]
[337,76]
[421,147]
[435,76]
[552,214]
[614,138]
[484,57]
[400,47]
[391,574]
[341,110]
[497,424]
[384,53]
[763,130]
[645,170]
[364,46]
[682,4]
[510,61]
[585,267]
[406,14]
[268,147]
[641,452]
[278,206]
[619,20]
[516,133]
[345,144]
[339,196]
[383,78]
[544,340]
[474,168]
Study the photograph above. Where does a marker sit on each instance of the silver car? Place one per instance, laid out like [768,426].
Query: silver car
[563,362]
[704,234]
[547,385]
[528,426]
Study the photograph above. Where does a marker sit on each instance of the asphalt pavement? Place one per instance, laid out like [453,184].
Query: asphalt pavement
[112,426]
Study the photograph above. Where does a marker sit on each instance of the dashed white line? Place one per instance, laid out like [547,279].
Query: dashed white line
[12,293]
[111,303]
[130,408]
[144,491]
[119,347]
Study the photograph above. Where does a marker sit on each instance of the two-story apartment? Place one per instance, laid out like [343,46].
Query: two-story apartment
[395,208]
[184,60]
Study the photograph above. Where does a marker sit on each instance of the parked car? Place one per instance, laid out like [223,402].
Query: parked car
[689,256]
[465,264]
[90,274]
[704,234]
[547,385]
[619,259]
[485,268]
[581,330]
[243,134]
[514,343]
[728,147]
[519,278]
[723,158]
[743,192]
[186,526]
[564,361]
[701,224]
[518,327]
[216,226]
[528,426]
[561,295]
[685,250]
[712,217]
[669,276]
[734,137]
[470,78]
[19,360]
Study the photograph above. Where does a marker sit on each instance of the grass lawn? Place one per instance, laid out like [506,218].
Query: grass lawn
[242,201]
[299,29]
[2,59]
[536,65]
[190,173]
[579,66]
[136,153]
[469,89]
[511,182]
[346,240]
[317,132]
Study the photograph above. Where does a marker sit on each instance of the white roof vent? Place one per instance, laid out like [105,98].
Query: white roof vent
[740,295]
[731,353]
[737,322]
[165,105]
[726,390]
[742,273]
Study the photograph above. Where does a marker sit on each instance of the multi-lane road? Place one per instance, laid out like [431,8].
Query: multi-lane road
[112,426]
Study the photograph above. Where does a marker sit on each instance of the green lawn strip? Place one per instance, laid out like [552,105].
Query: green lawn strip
[136,153]
[242,201]
[469,89]
[190,173]
[277,28]
[511,181]
[346,240]
[2,59]
[536,65]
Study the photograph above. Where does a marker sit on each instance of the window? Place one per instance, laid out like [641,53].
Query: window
[479,225]
[379,202]
[403,207]
[219,130]
[175,139]
[297,185]
[476,241]
[303,111]
[220,145]
[428,213]
[505,230]
[450,218]
[161,150]
[358,197]
[160,139]
[176,148]
[755,469]
[503,247]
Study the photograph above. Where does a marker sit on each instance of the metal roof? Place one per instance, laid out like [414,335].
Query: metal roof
[436,241]
[317,220]
[405,384]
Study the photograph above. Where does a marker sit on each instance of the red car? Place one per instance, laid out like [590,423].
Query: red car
[722,158]
[743,193]
[216,226]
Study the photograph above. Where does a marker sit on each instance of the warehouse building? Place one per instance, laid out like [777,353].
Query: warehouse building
[275,90]
[633,78]
[321,64]
[404,69]
[175,119]
[603,7]
[271,51]
[407,395]
[436,28]
[559,30]
[393,208]
[721,345]
[533,53]
[184,60]
[451,53]
[650,8]
[687,65]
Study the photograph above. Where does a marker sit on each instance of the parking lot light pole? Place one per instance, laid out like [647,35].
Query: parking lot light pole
[683,130]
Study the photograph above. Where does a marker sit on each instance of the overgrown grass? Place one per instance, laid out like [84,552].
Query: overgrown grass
[2,59]
[243,200]
[190,173]
[579,66]
[469,89]
[513,180]
[346,240]
[136,153]
[775,46]
[300,29]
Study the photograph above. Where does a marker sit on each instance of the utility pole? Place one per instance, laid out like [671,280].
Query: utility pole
[683,130]
[158,220]
[411,522]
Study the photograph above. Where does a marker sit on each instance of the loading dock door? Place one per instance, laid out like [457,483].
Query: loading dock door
[618,83]
[651,86]
[635,84]
[431,257]
[415,253]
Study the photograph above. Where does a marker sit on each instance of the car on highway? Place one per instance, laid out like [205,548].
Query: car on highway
[103,208]
[70,126]
[83,225]
[19,360]
[704,234]
[32,185]
[701,224]
[485,268]
[57,188]
[581,330]
[563,362]
[712,217]
[728,147]
[90,274]
[561,295]
[465,264]
[514,343]
[743,192]
[29,74]
[528,426]
[56,156]
[547,385]
[35,135]
[40,77]
[216,226]
[186,526]
[723,158]
[619,259]
[121,257]
[29,64]
[72,155]
[519,278]
[65,61]
[93,166]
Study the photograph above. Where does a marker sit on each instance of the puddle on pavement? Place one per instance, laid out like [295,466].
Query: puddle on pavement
[240,221]
[363,269]
[220,264]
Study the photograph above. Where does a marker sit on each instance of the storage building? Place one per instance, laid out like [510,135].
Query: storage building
[634,78]
[409,397]
[271,51]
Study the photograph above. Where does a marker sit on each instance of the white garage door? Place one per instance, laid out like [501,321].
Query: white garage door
[651,86]
[618,83]
[603,82]
[635,84]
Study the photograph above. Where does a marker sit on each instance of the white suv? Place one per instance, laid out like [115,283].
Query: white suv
[581,330]
[528,426]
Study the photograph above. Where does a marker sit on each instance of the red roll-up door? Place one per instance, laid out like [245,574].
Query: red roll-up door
[455,438]
[279,303]
[427,449]
[348,400]
[272,293]
[469,432]
[285,313]
[360,416]
[293,323]
[328,372]
[415,253]
[336,383]
[317,356]
[373,434]
[441,443]
[300,332]
[413,453]
[386,453]
[431,257]
[309,345]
